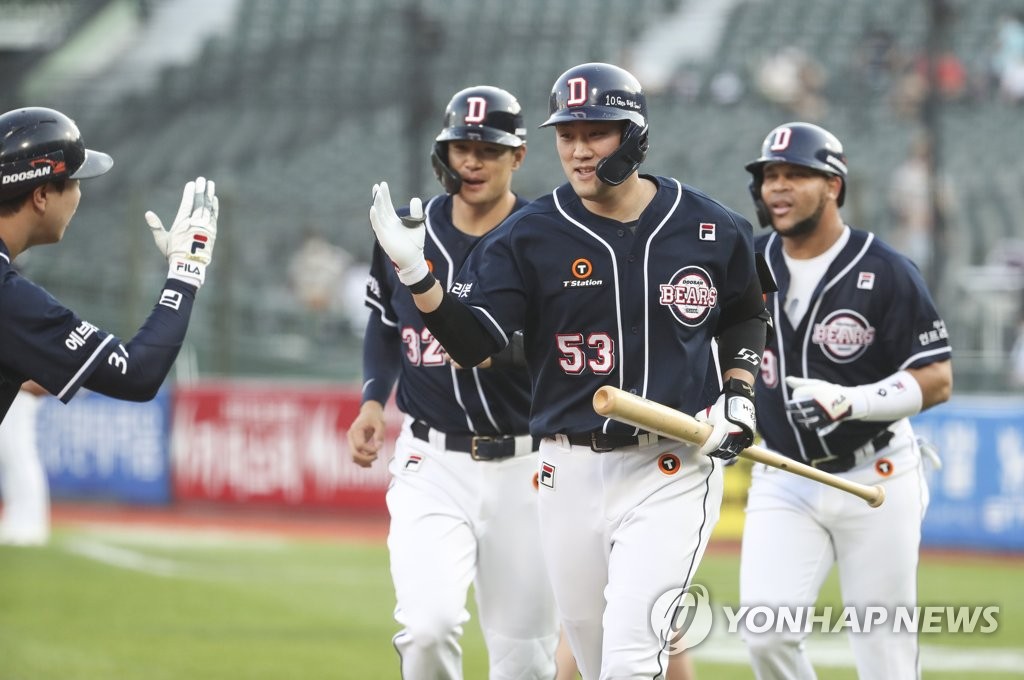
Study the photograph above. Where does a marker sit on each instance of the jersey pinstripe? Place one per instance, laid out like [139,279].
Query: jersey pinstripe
[602,303]
[42,339]
[485,401]
[870,316]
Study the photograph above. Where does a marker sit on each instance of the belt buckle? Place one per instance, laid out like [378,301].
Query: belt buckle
[598,449]
[472,447]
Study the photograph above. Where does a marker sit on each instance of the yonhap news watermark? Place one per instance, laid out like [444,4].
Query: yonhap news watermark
[683,618]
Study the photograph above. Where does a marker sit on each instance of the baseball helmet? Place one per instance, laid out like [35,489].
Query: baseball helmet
[481,114]
[597,91]
[800,144]
[39,145]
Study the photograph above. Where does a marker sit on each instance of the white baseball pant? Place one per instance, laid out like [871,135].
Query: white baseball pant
[619,531]
[456,521]
[23,484]
[796,529]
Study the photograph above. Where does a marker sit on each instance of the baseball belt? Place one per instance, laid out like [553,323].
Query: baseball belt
[479,447]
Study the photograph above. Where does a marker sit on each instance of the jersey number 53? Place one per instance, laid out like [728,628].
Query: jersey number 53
[596,352]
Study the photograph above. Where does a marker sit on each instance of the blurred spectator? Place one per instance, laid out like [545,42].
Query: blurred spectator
[877,58]
[726,88]
[1017,358]
[321,277]
[946,71]
[1008,58]
[316,270]
[792,79]
[910,199]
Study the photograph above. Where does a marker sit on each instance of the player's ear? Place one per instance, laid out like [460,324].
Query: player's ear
[518,155]
[40,195]
[835,186]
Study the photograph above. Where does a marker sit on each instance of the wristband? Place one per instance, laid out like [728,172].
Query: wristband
[898,396]
[423,285]
[187,270]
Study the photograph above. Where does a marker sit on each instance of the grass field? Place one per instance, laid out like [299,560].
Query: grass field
[122,602]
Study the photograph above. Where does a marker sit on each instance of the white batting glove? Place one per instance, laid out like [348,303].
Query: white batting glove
[733,419]
[819,406]
[401,238]
[188,245]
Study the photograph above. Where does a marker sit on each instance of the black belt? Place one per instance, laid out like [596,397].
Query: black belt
[852,460]
[480,447]
[600,442]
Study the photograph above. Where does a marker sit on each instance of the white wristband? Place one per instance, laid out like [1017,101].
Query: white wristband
[189,271]
[898,396]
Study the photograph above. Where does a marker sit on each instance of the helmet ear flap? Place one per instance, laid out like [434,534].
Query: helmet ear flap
[621,163]
[763,215]
[449,179]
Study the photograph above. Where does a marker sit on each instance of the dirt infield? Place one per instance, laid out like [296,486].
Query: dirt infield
[319,524]
[330,525]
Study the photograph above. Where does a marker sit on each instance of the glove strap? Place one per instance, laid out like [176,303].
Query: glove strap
[187,270]
[739,403]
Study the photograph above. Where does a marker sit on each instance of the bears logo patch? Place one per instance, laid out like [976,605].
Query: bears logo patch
[690,295]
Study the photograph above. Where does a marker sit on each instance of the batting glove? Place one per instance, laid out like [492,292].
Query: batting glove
[733,420]
[401,238]
[188,245]
[819,406]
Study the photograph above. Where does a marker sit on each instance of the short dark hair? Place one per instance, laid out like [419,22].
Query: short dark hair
[12,205]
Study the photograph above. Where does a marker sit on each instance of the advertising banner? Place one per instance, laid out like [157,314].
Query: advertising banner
[277,444]
[95,447]
[977,496]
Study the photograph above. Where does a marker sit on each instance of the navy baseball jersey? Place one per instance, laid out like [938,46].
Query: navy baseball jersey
[488,401]
[603,302]
[870,316]
[43,340]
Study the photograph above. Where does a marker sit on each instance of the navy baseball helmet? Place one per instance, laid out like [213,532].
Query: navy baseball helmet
[802,144]
[482,114]
[39,145]
[597,91]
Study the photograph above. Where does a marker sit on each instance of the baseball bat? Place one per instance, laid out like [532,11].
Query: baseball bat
[663,420]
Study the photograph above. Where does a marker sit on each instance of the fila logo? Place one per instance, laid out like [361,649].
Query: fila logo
[413,464]
[707,231]
[866,280]
[547,475]
[170,298]
[199,242]
[577,91]
[477,109]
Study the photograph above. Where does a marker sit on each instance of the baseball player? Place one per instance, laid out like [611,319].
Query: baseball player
[462,502]
[621,279]
[42,160]
[23,484]
[857,348]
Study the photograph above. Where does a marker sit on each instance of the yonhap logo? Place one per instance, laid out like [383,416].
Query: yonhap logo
[681,618]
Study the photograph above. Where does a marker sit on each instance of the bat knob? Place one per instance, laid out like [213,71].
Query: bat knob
[879,496]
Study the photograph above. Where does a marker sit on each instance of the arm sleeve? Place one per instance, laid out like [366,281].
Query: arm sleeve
[381,347]
[743,326]
[135,370]
[461,334]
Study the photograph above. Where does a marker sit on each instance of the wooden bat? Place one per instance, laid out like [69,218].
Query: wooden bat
[653,417]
